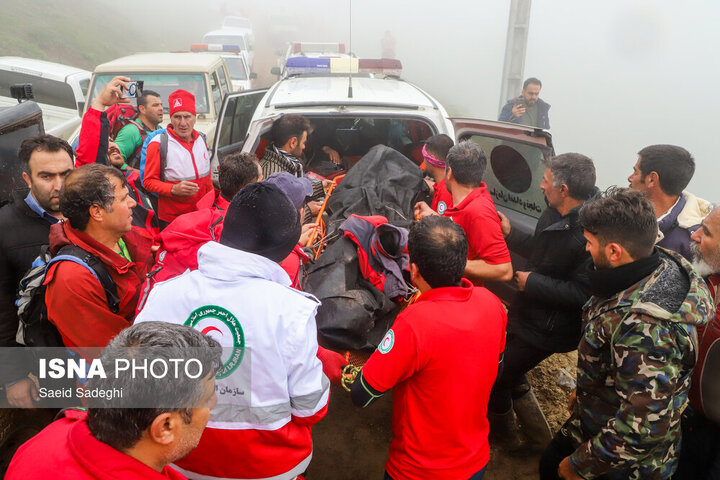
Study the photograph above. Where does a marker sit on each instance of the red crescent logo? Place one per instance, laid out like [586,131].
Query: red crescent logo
[207,330]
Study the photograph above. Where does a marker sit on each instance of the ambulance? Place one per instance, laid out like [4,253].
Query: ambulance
[359,103]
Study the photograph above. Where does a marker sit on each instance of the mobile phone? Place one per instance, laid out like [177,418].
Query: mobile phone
[133,90]
[520,101]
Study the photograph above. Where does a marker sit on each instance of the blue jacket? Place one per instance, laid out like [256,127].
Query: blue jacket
[675,228]
[543,113]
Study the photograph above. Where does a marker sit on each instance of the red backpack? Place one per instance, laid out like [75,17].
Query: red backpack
[120,115]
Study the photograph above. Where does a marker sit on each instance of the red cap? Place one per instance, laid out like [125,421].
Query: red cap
[182,101]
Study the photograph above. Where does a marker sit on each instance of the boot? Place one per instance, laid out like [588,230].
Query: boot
[503,431]
[533,423]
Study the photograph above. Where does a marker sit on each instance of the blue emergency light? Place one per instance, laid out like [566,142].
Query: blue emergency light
[299,65]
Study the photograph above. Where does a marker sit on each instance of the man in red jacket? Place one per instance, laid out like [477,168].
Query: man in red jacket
[110,442]
[183,177]
[473,209]
[98,208]
[94,146]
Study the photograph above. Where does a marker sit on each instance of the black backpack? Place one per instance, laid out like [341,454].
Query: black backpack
[34,328]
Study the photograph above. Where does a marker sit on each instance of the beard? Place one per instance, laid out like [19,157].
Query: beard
[601,262]
[704,267]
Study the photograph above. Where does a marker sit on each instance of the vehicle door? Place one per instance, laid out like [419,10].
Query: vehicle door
[234,119]
[515,169]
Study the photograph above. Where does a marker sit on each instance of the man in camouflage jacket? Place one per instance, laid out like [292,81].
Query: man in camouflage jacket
[637,353]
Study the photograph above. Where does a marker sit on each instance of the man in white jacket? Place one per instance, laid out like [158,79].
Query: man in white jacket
[271,387]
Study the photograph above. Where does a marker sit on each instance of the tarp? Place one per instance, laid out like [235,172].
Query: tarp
[384,182]
[354,314]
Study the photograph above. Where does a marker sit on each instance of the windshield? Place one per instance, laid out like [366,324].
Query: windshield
[226,39]
[236,67]
[164,84]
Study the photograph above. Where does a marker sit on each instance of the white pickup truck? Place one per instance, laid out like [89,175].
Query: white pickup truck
[58,89]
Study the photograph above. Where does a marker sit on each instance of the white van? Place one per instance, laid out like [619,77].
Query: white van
[58,89]
[242,37]
[235,59]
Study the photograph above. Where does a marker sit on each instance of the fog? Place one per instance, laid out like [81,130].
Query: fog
[619,74]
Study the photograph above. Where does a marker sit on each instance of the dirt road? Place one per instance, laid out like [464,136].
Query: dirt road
[352,444]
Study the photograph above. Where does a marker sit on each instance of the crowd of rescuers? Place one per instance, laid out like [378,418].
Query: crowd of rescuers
[628,277]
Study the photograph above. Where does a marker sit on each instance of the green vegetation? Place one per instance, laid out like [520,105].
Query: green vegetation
[85,33]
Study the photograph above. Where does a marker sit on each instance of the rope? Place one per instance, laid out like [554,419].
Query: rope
[321,229]
[349,374]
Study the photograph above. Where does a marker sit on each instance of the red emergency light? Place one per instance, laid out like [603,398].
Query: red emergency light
[214,47]
[383,66]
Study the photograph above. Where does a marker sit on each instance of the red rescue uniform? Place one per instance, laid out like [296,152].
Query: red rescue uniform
[442,199]
[441,359]
[478,217]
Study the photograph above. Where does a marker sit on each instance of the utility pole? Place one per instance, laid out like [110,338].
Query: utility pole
[515,49]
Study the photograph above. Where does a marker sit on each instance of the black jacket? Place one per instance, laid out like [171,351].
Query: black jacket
[22,233]
[548,313]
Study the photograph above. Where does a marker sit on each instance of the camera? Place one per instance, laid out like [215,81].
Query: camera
[133,90]
[22,91]
[520,101]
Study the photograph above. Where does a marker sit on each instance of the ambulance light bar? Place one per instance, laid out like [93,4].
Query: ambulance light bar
[214,47]
[310,65]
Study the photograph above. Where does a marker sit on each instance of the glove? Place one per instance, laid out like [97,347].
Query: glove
[332,364]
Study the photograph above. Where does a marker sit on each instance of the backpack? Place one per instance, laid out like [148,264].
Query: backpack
[34,328]
[163,152]
[120,115]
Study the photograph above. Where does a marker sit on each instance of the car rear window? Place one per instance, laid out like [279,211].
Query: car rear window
[164,84]
[49,92]
[353,136]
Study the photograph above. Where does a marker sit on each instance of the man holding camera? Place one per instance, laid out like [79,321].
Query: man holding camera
[528,108]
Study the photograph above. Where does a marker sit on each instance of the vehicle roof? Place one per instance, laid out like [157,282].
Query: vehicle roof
[229,31]
[241,21]
[333,89]
[41,68]
[162,62]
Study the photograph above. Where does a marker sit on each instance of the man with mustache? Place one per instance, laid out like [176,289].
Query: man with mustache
[700,449]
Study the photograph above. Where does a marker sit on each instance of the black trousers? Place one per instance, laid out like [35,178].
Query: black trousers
[560,447]
[520,357]
[699,448]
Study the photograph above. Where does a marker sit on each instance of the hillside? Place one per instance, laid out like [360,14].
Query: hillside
[86,33]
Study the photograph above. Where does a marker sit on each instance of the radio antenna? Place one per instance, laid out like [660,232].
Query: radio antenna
[350,92]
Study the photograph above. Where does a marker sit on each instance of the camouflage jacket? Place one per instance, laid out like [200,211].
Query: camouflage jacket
[635,361]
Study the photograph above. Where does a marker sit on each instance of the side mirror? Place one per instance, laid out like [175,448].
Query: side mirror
[253,75]
[275,71]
